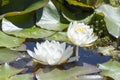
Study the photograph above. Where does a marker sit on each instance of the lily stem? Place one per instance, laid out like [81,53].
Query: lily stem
[117,44]
[77,53]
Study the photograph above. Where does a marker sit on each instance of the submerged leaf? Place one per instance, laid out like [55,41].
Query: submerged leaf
[111,69]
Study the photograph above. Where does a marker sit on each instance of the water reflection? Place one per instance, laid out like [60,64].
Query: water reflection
[90,57]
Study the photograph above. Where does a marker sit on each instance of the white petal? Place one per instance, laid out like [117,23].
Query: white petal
[72,59]
[32,54]
[52,60]
[43,54]
[68,52]
[38,45]
[40,53]
[92,39]
[36,51]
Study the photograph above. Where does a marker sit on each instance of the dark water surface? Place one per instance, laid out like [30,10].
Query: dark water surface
[90,57]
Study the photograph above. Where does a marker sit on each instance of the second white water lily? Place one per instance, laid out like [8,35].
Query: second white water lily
[80,34]
[51,53]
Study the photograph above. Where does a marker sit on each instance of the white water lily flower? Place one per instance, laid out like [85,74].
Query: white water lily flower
[80,34]
[51,53]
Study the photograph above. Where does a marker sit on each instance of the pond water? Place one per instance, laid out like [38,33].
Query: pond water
[92,57]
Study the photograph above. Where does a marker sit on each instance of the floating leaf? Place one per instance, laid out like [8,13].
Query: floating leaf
[78,3]
[22,77]
[111,69]
[85,20]
[33,32]
[90,77]
[60,36]
[51,19]
[75,73]
[7,26]
[107,51]
[23,21]
[112,19]
[9,73]
[13,7]
[22,47]
[101,2]
[9,41]
[7,55]
[73,12]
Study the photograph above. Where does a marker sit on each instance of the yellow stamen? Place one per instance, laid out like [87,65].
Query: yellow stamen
[80,29]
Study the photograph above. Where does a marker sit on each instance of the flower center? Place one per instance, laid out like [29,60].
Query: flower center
[80,29]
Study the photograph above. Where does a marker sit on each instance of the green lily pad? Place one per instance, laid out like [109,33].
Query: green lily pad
[7,55]
[107,51]
[18,22]
[22,47]
[75,73]
[9,73]
[79,3]
[112,19]
[33,32]
[71,11]
[9,41]
[85,20]
[13,7]
[22,77]
[59,36]
[111,69]
[50,19]
[8,26]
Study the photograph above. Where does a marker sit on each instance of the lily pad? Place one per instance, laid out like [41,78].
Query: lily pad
[75,73]
[33,32]
[71,9]
[79,3]
[50,19]
[9,41]
[9,73]
[18,22]
[7,55]
[59,36]
[111,69]
[13,7]
[7,26]
[112,18]
[22,47]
